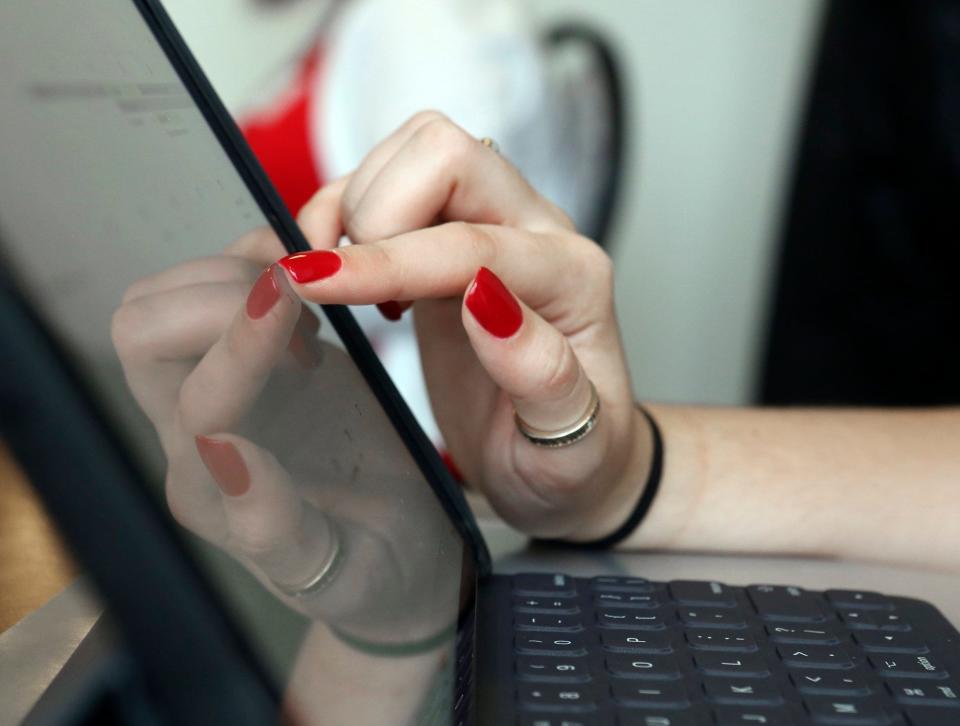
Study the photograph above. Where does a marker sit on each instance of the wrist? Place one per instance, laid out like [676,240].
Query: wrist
[627,500]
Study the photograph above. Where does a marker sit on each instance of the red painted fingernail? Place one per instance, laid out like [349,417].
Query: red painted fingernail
[225,465]
[263,295]
[391,309]
[310,266]
[493,306]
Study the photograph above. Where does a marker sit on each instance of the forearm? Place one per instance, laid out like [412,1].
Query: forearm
[869,483]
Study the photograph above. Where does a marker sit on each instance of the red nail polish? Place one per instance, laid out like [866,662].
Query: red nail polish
[493,306]
[225,465]
[310,266]
[263,295]
[391,309]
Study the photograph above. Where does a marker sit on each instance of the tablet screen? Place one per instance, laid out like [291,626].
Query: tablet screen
[256,430]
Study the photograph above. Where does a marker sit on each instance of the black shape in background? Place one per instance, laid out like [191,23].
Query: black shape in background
[866,308]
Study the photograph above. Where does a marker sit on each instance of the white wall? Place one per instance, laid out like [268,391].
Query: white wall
[715,89]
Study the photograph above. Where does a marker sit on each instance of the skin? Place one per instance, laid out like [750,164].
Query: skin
[425,210]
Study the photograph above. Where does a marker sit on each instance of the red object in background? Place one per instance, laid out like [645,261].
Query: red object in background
[280,138]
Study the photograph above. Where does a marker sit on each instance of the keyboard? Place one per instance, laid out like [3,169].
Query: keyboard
[625,651]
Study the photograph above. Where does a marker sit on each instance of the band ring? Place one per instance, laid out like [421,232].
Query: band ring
[567,435]
[325,574]
[490,144]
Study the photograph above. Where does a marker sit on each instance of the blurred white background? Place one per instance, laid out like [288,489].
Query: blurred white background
[715,95]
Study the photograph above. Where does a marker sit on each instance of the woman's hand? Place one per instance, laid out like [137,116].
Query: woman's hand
[513,310]
[277,452]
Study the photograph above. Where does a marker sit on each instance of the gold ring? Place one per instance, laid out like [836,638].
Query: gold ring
[490,144]
[568,434]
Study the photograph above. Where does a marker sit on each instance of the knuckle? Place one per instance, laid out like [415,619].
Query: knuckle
[479,243]
[423,117]
[562,373]
[126,330]
[446,141]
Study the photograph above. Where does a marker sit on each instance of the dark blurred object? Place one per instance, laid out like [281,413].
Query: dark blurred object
[867,304]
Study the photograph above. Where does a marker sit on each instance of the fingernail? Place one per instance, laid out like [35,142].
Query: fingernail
[391,310]
[310,266]
[493,306]
[263,295]
[225,465]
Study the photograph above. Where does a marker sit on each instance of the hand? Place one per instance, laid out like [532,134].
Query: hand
[277,451]
[513,311]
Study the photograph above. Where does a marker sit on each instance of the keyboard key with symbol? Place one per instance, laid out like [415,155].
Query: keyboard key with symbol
[549,644]
[558,606]
[556,697]
[656,667]
[728,641]
[609,583]
[874,641]
[815,656]
[751,716]
[932,694]
[553,669]
[618,618]
[631,717]
[710,618]
[642,694]
[858,600]
[861,712]
[732,664]
[800,635]
[831,683]
[544,585]
[635,641]
[702,594]
[746,692]
[786,604]
[908,666]
[873,620]
[540,621]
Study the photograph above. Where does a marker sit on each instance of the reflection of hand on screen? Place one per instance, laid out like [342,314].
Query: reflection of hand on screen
[277,451]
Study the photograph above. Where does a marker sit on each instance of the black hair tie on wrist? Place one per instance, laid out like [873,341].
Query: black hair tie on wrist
[643,506]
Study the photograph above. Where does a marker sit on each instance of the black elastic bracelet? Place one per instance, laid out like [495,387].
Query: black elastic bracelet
[643,506]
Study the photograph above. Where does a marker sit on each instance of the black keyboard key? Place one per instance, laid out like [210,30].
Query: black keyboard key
[620,618]
[926,694]
[908,666]
[550,644]
[831,683]
[746,665]
[801,635]
[846,711]
[711,618]
[608,583]
[542,720]
[725,641]
[556,605]
[815,656]
[875,641]
[544,622]
[751,716]
[557,698]
[635,641]
[786,604]
[873,620]
[702,594]
[645,694]
[552,669]
[858,600]
[931,716]
[630,717]
[655,667]
[626,600]
[748,692]
[544,585]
